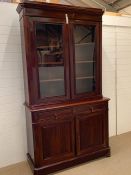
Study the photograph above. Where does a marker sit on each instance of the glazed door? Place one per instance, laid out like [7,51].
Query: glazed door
[52,60]
[85,65]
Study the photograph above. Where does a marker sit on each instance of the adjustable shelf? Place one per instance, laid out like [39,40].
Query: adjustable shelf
[80,44]
[51,80]
[79,62]
[51,64]
[88,77]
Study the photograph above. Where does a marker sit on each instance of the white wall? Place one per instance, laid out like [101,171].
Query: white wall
[116,81]
[108,73]
[12,116]
[117,71]
[123,79]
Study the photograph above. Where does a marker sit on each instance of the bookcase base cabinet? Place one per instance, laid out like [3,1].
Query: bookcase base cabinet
[67,135]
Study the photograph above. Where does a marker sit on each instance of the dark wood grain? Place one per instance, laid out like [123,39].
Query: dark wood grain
[30,59]
[93,124]
[96,13]
[56,139]
[70,129]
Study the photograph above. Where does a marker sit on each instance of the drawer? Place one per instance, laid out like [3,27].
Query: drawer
[52,115]
[90,108]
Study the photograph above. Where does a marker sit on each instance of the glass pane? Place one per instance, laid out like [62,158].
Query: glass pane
[84,58]
[50,59]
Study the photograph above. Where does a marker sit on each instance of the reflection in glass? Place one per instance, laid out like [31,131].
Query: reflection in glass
[84,58]
[50,59]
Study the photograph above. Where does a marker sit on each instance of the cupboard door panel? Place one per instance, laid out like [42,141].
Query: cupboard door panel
[56,139]
[91,132]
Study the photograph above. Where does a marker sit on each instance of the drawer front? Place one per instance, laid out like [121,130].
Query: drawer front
[90,108]
[52,115]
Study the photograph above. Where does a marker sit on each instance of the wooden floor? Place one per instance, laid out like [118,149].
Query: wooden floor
[118,164]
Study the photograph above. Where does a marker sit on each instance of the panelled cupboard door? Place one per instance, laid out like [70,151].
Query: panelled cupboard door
[91,132]
[55,139]
[51,59]
[86,58]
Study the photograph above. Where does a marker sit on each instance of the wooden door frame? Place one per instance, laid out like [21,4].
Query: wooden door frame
[98,91]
